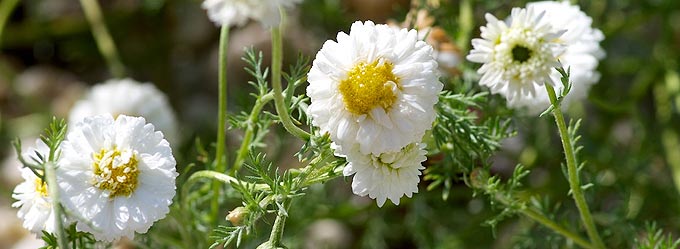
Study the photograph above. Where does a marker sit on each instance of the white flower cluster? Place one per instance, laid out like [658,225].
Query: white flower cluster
[238,12]
[117,174]
[374,92]
[519,54]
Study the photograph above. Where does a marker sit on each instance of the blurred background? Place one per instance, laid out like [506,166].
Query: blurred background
[631,126]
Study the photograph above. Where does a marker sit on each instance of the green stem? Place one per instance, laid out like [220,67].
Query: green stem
[214,175]
[222,104]
[281,108]
[209,174]
[101,34]
[531,213]
[6,8]
[671,145]
[279,225]
[574,181]
[669,138]
[466,24]
[250,131]
[538,217]
[51,178]
[220,165]
[336,173]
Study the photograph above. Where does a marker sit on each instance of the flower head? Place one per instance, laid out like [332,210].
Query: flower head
[582,52]
[33,200]
[388,175]
[518,54]
[117,174]
[131,98]
[375,87]
[237,12]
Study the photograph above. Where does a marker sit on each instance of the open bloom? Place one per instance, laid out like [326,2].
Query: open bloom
[119,175]
[389,175]
[582,52]
[237,12]
[375,87]
[128,97]
[33,200]
[518,55]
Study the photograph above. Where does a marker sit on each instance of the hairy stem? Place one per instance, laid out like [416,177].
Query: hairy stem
[101,34]
[530,212]
[281,108]
[51,178]
[279,224]
[545,221]
[214,175]
[250,131]
[326,177]
[220,165]
[6,8]
[574,181]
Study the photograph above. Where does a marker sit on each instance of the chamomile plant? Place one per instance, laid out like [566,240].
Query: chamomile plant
[366,136]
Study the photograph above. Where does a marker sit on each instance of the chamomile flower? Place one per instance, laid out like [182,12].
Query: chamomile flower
[582,52]
[128,97]
[389,175]
[375,87]
[33,200]
[518,54]
[238,12]
[119,175]
[34,203]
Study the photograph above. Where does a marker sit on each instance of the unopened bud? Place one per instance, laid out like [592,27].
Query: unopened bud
[236,216]
[479,178]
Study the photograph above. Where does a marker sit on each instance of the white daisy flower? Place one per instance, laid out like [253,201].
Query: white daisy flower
[388,175]
[582,52]
[128,97]
[518,55]
[375,87]
[33,200]
[238,12]
[118,175]
[34,203]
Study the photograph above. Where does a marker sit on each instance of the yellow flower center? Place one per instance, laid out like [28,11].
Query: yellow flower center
[40,187]
[115,171]
[368,86]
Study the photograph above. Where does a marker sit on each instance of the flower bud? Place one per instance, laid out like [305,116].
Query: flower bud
[236,216]
[479,178]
